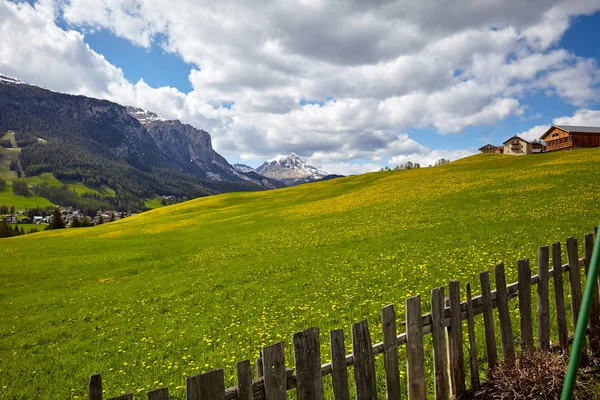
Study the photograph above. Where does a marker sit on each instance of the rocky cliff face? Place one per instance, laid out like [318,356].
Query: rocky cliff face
[191,150]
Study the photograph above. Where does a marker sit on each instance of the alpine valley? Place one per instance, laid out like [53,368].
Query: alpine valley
[132,153]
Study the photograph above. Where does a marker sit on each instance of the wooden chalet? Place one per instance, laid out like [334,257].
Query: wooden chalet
[560,137]
[490,148]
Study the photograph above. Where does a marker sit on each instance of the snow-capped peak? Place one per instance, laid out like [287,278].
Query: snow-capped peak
[11,79]
[144,116]
[290,167]
[243,168]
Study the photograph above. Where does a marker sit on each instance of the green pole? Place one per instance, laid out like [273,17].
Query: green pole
[582,322]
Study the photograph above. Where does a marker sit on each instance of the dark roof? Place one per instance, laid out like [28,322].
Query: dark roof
[573,129]
[515,137]
[481,148]
[579,129]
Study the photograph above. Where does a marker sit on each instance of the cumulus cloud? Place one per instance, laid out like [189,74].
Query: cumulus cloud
[534,133]
[583,117]
[336,81]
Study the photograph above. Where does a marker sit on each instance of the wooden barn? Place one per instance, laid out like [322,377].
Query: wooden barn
[490,148]
[560,137]
[517,146]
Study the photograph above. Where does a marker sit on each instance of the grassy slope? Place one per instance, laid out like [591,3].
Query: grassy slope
[202,284]
[9,198]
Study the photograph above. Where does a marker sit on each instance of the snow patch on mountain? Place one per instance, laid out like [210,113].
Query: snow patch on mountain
[243,168]
[145,117]
[291,170]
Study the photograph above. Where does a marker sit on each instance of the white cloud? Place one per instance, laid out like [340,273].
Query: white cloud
[534,133]
[583,117]
[389,65]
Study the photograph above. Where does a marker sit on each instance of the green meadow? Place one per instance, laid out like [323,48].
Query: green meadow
[179,290]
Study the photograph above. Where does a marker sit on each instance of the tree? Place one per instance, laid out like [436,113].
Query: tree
[100,221]
[2,185]
[12,210]
[75,222]
[441,161]
[22,231]
[112,217]
[57,221]
[409,165]
[20,188]
[85,222]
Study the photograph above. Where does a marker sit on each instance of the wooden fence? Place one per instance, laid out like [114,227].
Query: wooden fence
[444,323]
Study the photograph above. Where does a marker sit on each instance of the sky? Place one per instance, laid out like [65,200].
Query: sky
[349,85]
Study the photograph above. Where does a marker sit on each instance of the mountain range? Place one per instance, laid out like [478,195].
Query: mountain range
[134,151]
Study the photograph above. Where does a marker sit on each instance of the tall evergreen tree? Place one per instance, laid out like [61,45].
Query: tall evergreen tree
[57,220]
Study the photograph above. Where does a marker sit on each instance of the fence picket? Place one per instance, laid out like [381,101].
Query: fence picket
[559,296]
[274,372]
[526,316]
[260,370]
[159,394]
[126,396]
[244,380]
[506,335]
[364,362]
[488,320]
[474,365]
[440,361]
[414,349]
[207,386]
[95,387]
[543,302]
[390,353]
[588,247]
[574,278]
[339,371]
[455,336]
[307,359]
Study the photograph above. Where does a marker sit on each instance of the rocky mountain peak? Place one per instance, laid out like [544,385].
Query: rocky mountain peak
[291,170]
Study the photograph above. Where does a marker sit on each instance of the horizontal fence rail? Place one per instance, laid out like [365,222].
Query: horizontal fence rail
[444,323]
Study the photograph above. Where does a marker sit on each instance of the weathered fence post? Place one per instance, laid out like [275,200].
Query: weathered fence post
[339,370]
[414,349]
[508,347]
[390,353]
[488,320]
[364,362]
[457,365]
[274,372]
[543,308]
[307,359]
[574,278]
[526,315]
[126,396]
[260,370]
[472,341]
[95,387]
[159,394]
[559,296]
[207,386]
[440,360]
[244,379]
[588,247]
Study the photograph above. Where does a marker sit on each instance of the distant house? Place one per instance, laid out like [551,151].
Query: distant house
[538,147]
[490,148]
[517,146]
[560,137]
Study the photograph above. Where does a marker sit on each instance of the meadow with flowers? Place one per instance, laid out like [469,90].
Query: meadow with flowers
[151,299]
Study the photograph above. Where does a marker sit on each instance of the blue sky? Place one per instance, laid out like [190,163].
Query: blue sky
[349,87]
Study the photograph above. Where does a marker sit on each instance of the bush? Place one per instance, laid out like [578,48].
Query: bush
[537,375]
